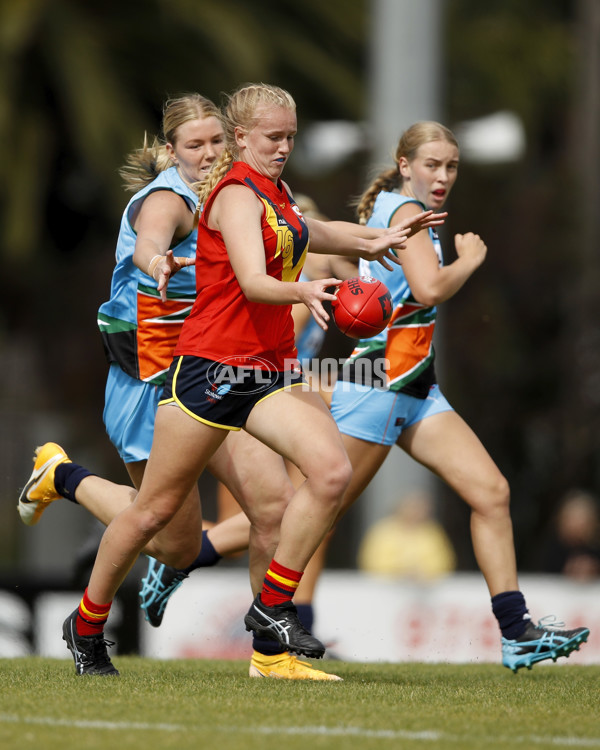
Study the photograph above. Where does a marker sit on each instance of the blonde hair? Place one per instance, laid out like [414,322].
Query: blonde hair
[144,164]
[390,179]
[241,112]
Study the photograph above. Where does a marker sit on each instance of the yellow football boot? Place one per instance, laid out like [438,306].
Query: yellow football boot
[286,666]
[39,491]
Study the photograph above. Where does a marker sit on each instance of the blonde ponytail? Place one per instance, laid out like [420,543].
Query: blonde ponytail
[144,164]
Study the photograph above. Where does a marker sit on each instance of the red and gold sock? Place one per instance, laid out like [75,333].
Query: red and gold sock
[279,585]
[91,617]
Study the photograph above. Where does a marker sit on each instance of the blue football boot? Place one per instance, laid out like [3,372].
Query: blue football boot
[160,583]
[539,642]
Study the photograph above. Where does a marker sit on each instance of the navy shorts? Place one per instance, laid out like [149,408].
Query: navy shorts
[219,394]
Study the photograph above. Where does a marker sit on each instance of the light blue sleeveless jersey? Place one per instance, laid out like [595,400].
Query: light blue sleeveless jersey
[410,320]
[138,330]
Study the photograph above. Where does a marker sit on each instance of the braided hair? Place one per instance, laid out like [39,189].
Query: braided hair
[241,112]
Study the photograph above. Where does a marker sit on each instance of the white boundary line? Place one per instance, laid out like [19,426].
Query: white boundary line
[360,732]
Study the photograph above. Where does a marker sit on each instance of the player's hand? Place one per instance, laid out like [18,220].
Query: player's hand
[167,266]
[313,294]
[397,235]
[424,220]
[471,247]
[381,248]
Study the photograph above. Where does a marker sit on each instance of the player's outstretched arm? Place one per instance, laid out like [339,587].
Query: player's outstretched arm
[414,224]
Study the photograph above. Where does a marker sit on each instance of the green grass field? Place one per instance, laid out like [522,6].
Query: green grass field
[213,705]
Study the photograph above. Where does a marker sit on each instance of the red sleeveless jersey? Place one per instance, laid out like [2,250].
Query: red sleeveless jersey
[223,324]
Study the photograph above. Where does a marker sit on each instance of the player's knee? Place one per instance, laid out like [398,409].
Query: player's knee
[502,492]
[154,519]
[333,477]
[277,492]
[498,498]
[270,517]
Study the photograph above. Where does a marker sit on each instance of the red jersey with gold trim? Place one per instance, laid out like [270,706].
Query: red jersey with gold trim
[223,324]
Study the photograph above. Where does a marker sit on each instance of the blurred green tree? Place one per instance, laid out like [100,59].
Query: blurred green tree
[81,81]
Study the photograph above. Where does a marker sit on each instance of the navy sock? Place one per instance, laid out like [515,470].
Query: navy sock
[306,615]
[67,477]
[208,555]
[511,612]
[267,646]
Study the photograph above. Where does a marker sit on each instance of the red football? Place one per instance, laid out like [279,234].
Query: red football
[362,307]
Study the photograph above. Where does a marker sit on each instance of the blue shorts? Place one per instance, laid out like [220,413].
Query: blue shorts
[129,412]
[379,416]
[220,395]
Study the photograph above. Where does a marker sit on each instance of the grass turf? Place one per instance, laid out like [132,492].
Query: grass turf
[214,705]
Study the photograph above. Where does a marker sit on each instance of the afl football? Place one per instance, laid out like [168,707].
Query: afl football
[362,307]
